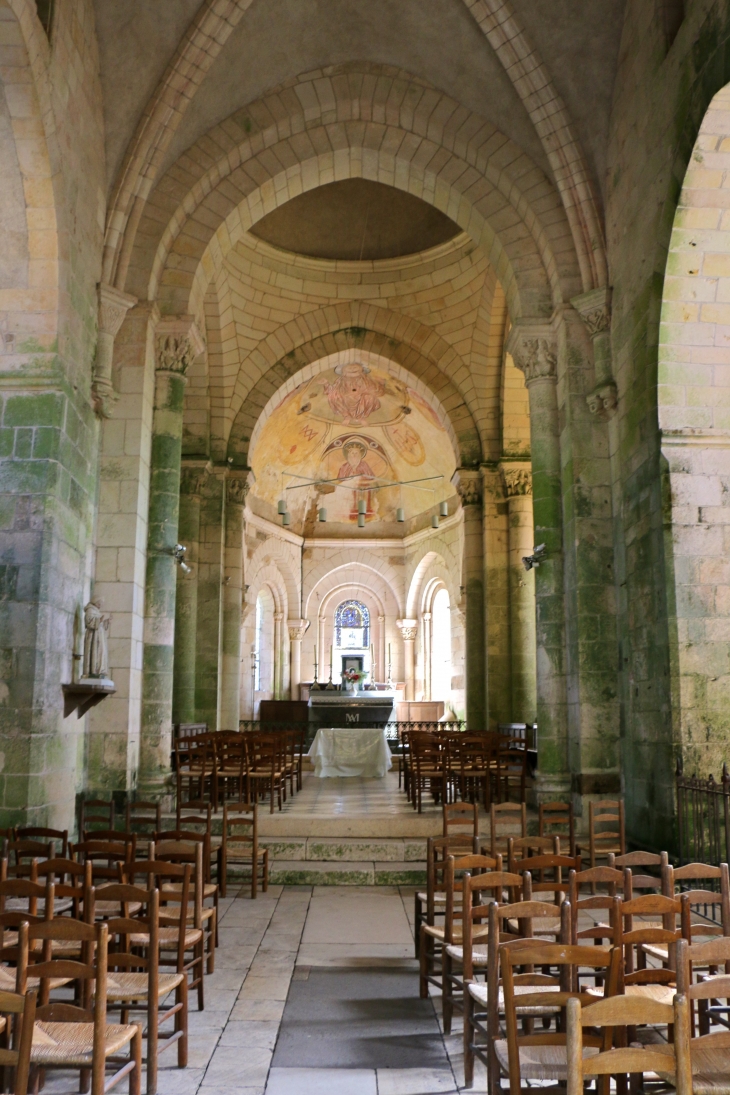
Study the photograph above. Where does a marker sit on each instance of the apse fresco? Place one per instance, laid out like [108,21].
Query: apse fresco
[355,430]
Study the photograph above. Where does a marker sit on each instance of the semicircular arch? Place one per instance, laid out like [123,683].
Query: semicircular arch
[349,573]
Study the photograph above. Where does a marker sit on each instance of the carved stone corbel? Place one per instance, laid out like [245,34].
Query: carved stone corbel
[594,309]
[113,307]
[533,346]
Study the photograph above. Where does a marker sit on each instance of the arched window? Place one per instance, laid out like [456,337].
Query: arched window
[352,626]
[441,646]
[264,642]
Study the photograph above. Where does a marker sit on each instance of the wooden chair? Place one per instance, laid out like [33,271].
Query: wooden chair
[240,844]
[550,873]
[211,889]
[603,841]
[26,896]
[264,768]
[484,1002]
[17,1019]
[143,819]
[543,1056]
[671,1061]
[504,816]
[96,813]
[470,767]
[23,856]
[194,768]
[134,982]
[197,816]
[72,882]
[461,819]
[76,1035]
[181,944]
[431,902]
[556,818]
[692,962]
[109,860]
[199,914]
[511,772]
[632,860]
[611,881]
[59,837]
[633,938]
[230,766]
[428,772]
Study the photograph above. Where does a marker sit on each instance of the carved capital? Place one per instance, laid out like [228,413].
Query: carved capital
[469,485]
[517,479]
[603,400]
[408,629]
[192,479]
[297,628]
[237,488]
[533,347]
[178,343]
[113,307]
[594,309]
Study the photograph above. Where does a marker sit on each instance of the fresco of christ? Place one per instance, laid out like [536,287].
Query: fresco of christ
[356,465]
[354,395]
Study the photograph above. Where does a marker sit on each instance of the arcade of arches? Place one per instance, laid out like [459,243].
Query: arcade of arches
[444,282]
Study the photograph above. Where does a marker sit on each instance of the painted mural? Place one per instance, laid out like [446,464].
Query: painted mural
[353,434]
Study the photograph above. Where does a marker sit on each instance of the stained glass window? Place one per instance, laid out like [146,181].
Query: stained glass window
[352,626]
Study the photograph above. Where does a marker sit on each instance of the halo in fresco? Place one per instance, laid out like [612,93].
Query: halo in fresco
[356,426]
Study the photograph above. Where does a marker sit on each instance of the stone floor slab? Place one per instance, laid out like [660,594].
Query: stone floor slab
[321,1081]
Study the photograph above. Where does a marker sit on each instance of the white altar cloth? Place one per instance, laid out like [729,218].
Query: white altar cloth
[352,751]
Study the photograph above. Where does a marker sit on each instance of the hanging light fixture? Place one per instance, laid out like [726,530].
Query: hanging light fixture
[361,506]
[400,515]
[361,520]
[444,509]
[322,514]
[435,521]
[286,518]
[281,508]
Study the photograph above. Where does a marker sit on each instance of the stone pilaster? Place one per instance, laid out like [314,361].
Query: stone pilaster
[297,629]
[211,564]
[517,478]
[408,631]
[177,343]
[594,309]
[113,307]
[192,480]
[495,518]
[236,491]
[533,347]
[468,482]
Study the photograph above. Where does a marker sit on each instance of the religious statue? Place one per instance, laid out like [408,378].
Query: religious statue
[96,653]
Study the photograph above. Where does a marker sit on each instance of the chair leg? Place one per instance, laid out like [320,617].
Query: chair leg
[426,950]
[181,1024]
[468,1038]
[211,942]
[447,990]
[153,1041]
[135,1052]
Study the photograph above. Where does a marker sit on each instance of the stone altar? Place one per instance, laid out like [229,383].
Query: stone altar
[366,709]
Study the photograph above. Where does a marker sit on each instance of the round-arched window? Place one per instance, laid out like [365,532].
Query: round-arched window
[352,626]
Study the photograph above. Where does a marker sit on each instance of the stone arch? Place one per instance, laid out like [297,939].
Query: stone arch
[694,420]
[320,364]
[431,564]
[316,335]
[331,126]
[29,258]
[353,557]
[272,557]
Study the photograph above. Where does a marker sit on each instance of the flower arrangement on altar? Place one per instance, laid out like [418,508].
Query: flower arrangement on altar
[354,676]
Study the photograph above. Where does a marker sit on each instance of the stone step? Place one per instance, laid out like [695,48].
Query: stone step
[348,873]
[344,850]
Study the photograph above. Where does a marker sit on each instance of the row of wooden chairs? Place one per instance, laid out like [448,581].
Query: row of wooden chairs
[452,765]
[247,766]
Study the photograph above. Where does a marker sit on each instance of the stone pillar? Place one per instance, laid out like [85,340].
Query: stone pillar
[278,655]
[113,307]
[518,489]
[495,519]
[594,309]
[323,665]
[380,656]
[469,485]
[232,594]
[192,479]
[408,630]
[178,342]
[297,629]
[533,347]
[427,648]
[208,647]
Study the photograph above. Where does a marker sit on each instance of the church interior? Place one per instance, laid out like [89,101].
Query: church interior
[364,538]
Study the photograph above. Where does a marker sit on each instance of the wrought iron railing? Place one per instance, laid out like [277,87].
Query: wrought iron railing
[703,817]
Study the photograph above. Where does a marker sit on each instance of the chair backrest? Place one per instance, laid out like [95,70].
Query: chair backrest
[38,832]
[240,825]
[22,853]
[610,880]
[716,898]
[557,817]
[186,836]
[504,817]
[143,817]
[525,913]
[631,936]
[184,853]
[521,847]
[97,813]
[17,890]
[108,858]
[71,880]
[196,814]
[714,952]
[122,927]
[88,971]
[18,1010]
[550,873]
[476,908]
[569,959]
[628,1011]
[606,828]
[461,817]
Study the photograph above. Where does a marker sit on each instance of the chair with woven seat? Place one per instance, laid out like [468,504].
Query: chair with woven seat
[556,819]
[543,1055]
[109,858]
[96,813]
[264,768]
[59,837]
[606,829]
[428,773]
[461,819]
[634,934]
[230,760]
[240,844]
[23,856]
[76,1035]
[143,819]
[194,764]
[504,817]
[610,881]
[484,1001]
[431,902]
[671,1061]
[17,1019]
[199,914]
[511,771]
[211,889]
[646,881]
[182,945]
[470,767]
[134,980]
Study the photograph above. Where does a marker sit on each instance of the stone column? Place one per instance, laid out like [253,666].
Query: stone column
[232,592]
[323,665]
[468,482]
[113,307]
[208,647]
[518,489]
[186,607]
[278,655]
[427,648]
[495,520]
[297,628]
[380,656]
[408,630]
[178,342]
[533,347]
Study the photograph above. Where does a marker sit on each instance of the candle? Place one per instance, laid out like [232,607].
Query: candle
[388,653]
[330,659]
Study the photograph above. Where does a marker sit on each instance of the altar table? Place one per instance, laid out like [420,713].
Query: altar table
[337,751]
